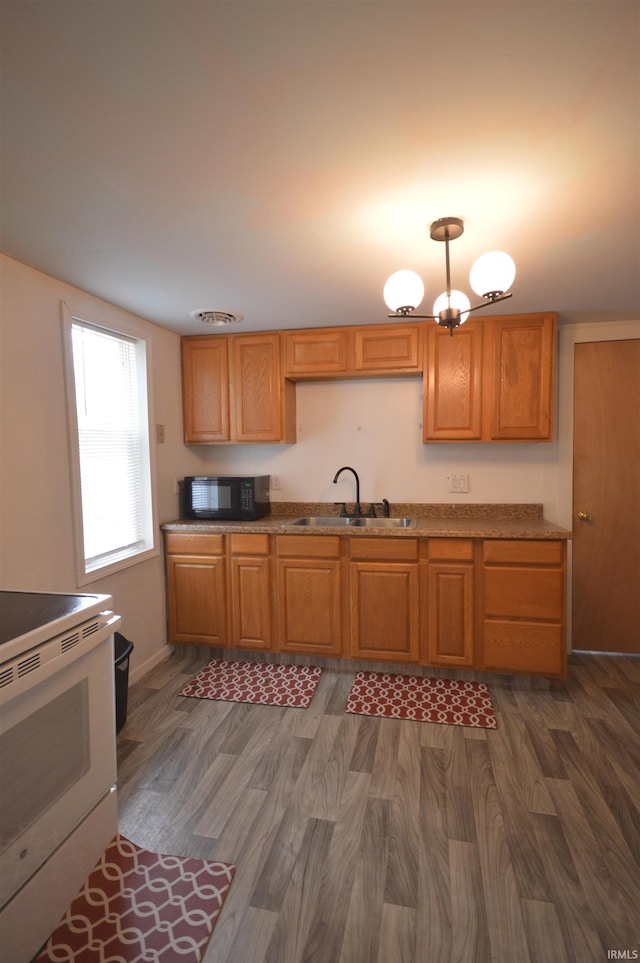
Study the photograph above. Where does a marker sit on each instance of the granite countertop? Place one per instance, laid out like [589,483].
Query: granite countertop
[435,521]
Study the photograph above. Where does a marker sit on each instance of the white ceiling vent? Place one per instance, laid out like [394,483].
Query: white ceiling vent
[209,316]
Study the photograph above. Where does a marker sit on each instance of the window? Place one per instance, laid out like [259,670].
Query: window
[109,431]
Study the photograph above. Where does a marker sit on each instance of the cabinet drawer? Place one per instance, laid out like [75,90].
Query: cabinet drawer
[385,549]
[532,647]
[523,552]
[194,543]
[250,544]
[308,546]
[451,549]
[524,593]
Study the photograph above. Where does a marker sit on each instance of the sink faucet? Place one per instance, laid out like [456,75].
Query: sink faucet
[355,475]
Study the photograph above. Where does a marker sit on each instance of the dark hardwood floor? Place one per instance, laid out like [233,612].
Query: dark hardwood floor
[362,840]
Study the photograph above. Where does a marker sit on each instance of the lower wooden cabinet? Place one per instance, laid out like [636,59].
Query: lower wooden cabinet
[196,588]
[524,607]
[250,592]
[497,605]
[309,594]
[448,616]
[384,599]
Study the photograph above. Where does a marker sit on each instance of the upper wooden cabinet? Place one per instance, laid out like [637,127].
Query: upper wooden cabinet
[262,402]
[205,390]
[319,352]
[234,391]
[491,380]
[521,377]
[453,384]
[388,348]
[354,352]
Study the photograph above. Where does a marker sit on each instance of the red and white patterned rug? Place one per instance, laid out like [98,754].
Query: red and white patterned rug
[264,683]
[137,906]
[422,699]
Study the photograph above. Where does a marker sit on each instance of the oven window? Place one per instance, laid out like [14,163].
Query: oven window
[41,758]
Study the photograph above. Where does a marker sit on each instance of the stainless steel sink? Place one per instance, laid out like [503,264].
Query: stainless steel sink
[321,521]
[383,522]
[337,521]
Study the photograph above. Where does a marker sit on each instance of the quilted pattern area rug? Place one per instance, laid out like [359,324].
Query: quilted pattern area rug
[264,683]
[422,699]
[137,907]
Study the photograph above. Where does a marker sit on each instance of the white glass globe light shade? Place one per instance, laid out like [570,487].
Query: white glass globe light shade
[493,272]
[404,289]
[458,300]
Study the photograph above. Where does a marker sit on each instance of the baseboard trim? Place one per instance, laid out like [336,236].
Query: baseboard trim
[141,670]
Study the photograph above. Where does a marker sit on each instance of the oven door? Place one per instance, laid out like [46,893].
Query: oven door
[57,744]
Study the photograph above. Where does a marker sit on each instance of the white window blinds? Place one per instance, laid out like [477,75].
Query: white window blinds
[113,446]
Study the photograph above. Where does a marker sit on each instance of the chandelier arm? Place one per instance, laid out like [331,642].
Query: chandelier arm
[485,304]
[415,317]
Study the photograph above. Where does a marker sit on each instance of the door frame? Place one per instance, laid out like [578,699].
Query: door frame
[569,336]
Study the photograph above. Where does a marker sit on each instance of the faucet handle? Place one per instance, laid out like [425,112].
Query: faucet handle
[343,510]
[372,511]
[385,507]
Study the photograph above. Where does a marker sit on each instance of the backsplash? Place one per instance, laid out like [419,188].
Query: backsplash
[413,510]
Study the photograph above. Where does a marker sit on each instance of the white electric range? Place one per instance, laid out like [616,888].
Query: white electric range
[58,805]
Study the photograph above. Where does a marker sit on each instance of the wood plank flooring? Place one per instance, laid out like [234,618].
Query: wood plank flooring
[363,840]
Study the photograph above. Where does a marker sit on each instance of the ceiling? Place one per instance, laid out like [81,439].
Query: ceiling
[281,159]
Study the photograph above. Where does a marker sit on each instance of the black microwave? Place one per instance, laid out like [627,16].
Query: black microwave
[231,497]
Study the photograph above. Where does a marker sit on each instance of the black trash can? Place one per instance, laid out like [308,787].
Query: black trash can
[122,650]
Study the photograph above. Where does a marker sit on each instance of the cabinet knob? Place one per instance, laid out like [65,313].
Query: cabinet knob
[584,516]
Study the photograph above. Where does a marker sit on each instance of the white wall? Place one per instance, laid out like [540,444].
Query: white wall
[36,543]
[376,427]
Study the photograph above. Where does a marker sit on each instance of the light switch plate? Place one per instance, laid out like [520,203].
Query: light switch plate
[458,483]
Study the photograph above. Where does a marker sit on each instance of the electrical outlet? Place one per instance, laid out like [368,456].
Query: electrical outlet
[458,483]
[276,484]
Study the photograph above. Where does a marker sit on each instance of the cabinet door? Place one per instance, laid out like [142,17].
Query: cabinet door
[250,602]
[522,359]
[309,606]
[257,389]
[388,348]
[205,390]
[384,610]
[250,605]
[449,614]
[196,599]
[317,353]
[453,388]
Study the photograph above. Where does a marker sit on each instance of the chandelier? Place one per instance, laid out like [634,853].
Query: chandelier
[491,276]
